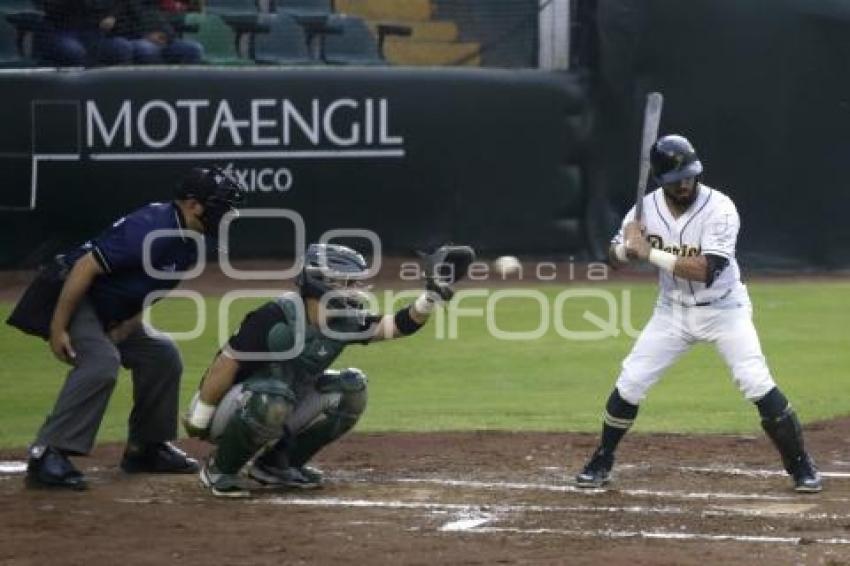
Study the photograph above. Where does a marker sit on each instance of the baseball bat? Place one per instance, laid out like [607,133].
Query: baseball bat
[651,119]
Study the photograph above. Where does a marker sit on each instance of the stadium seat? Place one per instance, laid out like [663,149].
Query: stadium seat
[354,43]
[226,7]
[28,19]
[10,55]
[218,39]
[304,7]
[285,42]
[10,6]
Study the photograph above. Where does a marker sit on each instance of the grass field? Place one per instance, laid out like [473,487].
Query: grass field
[478,382]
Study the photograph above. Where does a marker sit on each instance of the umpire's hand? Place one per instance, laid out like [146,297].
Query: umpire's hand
[60,344]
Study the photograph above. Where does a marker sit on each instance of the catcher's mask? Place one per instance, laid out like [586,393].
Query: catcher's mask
[337,269]
[214,188]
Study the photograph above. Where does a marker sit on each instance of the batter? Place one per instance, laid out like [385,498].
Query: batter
[689,232]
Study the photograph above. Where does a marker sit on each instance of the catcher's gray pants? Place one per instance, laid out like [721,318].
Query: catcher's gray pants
[156,369]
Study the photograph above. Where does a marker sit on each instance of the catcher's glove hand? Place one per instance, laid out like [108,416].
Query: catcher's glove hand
[445,266]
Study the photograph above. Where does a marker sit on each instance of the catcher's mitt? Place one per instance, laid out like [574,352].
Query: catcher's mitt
[445,266]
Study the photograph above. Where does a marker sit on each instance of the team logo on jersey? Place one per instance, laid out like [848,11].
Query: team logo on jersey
[685,250]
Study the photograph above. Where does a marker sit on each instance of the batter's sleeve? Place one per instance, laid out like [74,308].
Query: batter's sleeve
[720,232]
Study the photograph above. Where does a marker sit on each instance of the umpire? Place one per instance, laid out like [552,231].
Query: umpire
[87,304]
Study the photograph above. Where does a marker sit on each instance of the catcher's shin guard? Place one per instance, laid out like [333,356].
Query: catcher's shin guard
[334,421]
[264,405]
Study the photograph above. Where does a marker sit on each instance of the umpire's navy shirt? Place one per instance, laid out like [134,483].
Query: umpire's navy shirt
[120,292]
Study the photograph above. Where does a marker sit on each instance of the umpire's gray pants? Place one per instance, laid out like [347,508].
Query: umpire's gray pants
[156,369]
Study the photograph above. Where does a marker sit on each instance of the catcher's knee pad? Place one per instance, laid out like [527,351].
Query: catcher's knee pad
[265,404]
[351,384]
[342,381]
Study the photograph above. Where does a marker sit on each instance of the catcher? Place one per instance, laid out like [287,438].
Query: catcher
[269,398]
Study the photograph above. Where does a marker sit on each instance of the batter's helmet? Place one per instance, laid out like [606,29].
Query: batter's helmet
[332,267]
[673,158]
[216,189]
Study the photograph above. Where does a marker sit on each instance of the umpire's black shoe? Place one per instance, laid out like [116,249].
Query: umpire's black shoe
[47,467]
[597,472]
[157,458]
[806,476]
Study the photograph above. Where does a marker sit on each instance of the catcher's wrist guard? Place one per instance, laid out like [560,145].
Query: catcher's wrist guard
[404,323]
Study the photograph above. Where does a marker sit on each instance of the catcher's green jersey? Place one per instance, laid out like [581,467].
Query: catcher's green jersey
[274,328]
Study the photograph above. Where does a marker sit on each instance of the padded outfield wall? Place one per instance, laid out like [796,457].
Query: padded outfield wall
[487,157]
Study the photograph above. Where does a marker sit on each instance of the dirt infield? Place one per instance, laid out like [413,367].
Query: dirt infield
[459,498]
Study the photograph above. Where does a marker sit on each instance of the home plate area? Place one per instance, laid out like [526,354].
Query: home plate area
[445,498]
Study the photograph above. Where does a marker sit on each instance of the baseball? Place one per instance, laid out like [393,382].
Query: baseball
[506,265]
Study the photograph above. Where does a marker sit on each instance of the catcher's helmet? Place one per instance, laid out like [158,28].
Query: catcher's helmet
[673,158]
[333,267]
[216,189]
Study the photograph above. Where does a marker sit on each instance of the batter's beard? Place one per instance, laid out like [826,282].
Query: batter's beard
[684,202]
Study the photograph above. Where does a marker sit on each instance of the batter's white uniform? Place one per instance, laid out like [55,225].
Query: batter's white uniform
[688,311]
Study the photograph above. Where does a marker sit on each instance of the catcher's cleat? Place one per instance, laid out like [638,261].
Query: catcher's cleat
[807,479]
[301,477]
[597,472]
[221,484]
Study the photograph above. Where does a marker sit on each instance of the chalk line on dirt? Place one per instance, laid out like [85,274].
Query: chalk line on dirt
[663,535]
[573,489]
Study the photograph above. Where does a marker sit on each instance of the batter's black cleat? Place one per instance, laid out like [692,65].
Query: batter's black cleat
[49,468]
[157,458]
[807,479]
[597,472]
